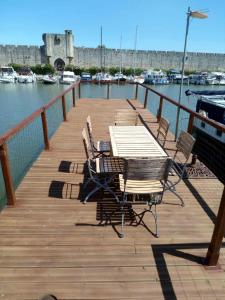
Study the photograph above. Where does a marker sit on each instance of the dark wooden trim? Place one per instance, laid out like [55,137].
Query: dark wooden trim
[159,113]
[146,98]
[10,193]
[45,130]
[64,108]
[190,123]
[218,234]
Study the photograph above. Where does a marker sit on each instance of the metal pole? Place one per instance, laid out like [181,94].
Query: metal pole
[182,72]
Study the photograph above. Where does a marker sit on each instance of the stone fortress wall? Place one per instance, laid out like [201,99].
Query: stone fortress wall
[59,49]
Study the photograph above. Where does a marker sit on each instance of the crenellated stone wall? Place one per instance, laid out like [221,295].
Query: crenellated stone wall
[59,50]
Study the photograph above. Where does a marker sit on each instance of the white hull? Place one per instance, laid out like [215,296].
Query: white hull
[7,79]
[26,79]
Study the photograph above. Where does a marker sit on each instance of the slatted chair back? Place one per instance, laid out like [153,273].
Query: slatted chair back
[163,130]
[90,131]
[87,144]
[185,144]
[156,168]
[126,117]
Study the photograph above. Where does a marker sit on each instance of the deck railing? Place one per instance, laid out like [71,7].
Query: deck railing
[13,153]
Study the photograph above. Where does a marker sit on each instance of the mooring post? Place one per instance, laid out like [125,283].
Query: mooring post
[190,123]
[64,108]
[136,91]
[45,129]
[73,97]
[79,91]
[108,90]
[10,193]
[159,113]
[218,234]
[146,98]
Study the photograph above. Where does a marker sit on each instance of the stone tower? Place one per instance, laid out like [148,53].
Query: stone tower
[59,49]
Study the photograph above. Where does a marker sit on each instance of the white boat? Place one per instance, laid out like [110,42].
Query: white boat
[102,77]
[139,79]
[26,75]
[7,75]
[156,77]
[49,79]
[120,77]
[67,77]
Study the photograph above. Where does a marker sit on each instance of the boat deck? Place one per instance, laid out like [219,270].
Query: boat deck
[52,243]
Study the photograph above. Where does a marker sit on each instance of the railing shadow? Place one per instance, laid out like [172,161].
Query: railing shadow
[175,250]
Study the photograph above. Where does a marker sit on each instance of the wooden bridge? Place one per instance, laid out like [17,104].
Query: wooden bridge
[52,243]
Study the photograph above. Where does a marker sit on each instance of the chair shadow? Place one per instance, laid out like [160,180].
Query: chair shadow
[175,250]
[71,167]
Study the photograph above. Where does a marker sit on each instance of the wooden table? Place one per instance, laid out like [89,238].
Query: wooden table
[134,141]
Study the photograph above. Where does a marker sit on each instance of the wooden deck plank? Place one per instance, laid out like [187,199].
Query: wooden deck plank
[52,243]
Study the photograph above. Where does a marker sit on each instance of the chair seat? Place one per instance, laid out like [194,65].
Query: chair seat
[109,165]
[103,146]
[141,186]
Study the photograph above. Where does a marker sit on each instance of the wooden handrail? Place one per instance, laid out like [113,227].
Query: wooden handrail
[211,122]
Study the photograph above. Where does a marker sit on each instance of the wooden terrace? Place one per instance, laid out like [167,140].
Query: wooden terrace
[52,243]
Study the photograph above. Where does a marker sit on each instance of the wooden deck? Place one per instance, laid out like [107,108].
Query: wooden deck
[52,243]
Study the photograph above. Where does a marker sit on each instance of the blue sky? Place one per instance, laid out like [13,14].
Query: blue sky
[161,23]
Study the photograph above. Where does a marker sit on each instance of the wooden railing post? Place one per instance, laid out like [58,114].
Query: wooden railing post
[45,130]
[146,98]
[10,193]
[73,97]
[107,90]
[218,234]
[64,107]
[136,91]
[190,123]
[159,113]
[79,91]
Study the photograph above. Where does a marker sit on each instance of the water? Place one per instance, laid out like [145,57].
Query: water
[17,101]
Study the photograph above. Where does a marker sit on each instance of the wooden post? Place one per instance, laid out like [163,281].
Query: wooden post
[73,97]
[159,113]
[190,123]
[218,234]
[107,90]
[45,129]
[10,193]
[136,91]
[146,98]
[64,107]
[79,91]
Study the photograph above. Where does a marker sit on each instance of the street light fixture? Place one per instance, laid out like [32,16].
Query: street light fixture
[197,15]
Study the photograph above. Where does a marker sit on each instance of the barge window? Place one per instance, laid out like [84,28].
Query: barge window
[218,132]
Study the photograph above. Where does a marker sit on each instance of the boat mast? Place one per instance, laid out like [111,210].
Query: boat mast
[135,49]
[101,51]
[121,54]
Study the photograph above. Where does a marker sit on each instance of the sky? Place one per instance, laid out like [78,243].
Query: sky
[160,23]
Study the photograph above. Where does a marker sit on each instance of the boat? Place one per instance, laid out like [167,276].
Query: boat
[102,78]
[175,76]
[67,77]
[8,74]
[210,104]
[156,77]
[210,140]
[120,77]
[49,79]
[26,75]
[85,76]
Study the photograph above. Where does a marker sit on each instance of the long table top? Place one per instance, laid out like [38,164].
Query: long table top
[134,141]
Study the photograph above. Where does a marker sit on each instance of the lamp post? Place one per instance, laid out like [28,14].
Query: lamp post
[197,15]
